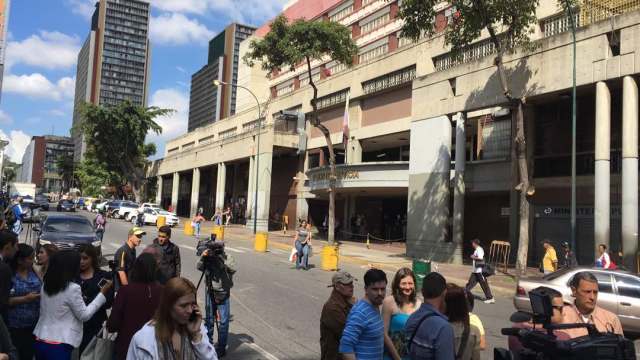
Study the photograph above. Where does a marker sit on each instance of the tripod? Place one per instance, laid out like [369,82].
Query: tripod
[213,311]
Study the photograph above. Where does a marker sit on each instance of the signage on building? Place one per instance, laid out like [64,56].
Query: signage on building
[341,174]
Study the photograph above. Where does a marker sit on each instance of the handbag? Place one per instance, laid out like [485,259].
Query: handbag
[488,270]
[294,255]
[101,347]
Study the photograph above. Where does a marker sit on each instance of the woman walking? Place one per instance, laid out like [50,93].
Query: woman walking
[467,336]
[197,223]
[89,280]
[135,303]
[217,217]
[176,331]
[62,309]
[396,310]
[24,301]
[44,254]
[302,243]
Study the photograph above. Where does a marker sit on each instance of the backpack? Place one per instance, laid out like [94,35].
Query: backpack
[10,215]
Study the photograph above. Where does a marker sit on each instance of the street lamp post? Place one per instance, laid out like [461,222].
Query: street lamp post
[255,197]
[3,144]
[572,19]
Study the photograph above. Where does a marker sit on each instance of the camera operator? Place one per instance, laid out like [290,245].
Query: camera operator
[585,310]
[218,269]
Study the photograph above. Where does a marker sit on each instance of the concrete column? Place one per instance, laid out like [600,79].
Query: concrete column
[195,191]
[220,185]
[302,206]
[354,152]
[602,201]
[629,171]
[264,164]
[159,191]
[174,191]
[458,181]
[251,187]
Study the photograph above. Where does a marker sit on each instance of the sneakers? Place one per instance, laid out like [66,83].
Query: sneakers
[490,301]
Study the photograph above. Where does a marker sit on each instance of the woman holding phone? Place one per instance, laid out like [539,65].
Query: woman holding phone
[91,279]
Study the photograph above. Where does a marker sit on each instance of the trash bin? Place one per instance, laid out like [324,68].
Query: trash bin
[161,221]
[218,230]
[421,268]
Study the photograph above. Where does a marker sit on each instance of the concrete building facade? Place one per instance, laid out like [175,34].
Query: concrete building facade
[428,159]
[39,162]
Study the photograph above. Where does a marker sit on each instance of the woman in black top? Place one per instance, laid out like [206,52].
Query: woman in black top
[89,278]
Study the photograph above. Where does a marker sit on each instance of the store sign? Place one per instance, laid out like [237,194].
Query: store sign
[341,174]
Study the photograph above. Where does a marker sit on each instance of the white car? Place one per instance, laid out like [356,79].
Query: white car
[151,216]
[100,206]
[126,207]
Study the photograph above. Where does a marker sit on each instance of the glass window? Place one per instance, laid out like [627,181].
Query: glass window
[604,282]
[628,286]
[75,225]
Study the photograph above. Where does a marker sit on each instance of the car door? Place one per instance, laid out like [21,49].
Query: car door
[607,297]
[628,288]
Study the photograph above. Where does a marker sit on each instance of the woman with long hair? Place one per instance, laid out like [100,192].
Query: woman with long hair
[176,331]
[24,301]
[62,308]
[302,244]
[467,336]
[89,280]
[42,258]
[135,303]
[396,309]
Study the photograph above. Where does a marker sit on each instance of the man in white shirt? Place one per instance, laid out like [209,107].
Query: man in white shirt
[476,274]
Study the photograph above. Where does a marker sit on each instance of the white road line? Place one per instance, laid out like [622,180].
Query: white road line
[244,248]
[115,246]
[278,251]
[262,351]
[234,250]
[188,247]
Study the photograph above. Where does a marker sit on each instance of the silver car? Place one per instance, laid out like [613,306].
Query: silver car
[619,292]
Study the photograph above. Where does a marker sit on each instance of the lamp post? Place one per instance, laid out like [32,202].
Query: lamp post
[3,144]
[255,197]
[572,20]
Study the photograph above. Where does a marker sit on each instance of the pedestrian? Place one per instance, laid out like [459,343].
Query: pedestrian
[550,259]
[89,279]
[24,301]
[302,244]
[429,333]
[18,216]
[585,309]
[8,242]
[42,258]
[7,350]
[396,310]
[228,215]
[176,331]
[126,255]
[62,309]
[334,314]
[474,319]
[100,222]
[135,303]
[197,223]
[169,266]
[476,274]
[363,335]
[604,261]
[569,261]
[467,336]
[217,217]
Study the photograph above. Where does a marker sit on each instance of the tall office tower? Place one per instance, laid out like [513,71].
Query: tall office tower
[113,64]
[5,5]
[205,106]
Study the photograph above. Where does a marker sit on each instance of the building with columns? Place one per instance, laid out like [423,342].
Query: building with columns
[428,159]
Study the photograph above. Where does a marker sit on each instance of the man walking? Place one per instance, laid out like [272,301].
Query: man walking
[363,335]
[17,214]
[126,255]
[334,315]
[569,257]
[476,274]
[170,260]
[428,332]
[550,259]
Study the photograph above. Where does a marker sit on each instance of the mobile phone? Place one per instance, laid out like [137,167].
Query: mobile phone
[102,283]
[193,316]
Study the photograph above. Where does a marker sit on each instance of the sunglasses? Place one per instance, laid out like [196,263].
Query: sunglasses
[139,236]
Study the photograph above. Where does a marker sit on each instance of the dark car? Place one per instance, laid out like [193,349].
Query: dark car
[65,205]
[41,202]
[67,232]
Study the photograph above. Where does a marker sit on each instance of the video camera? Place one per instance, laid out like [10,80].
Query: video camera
[543,345]
[216,248]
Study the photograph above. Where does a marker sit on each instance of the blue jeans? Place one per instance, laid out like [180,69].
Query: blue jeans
[46,351]
[224,310]
[197,229]
[303,255]
[17,227]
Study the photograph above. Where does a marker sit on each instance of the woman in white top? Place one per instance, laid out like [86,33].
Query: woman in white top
[176,331]
[62,308]
[604,261]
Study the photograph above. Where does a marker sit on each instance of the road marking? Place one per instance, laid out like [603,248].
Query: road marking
[234,250]
[115,246]
[278,251]
[188,247]
[244,248]
[262,351]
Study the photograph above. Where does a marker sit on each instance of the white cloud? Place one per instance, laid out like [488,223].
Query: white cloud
[177,29]
[175,124]
[246,11]
[57,113]
[186,6]
[38,86]
[83,8]
[5,119]
[48,50]
[18,142]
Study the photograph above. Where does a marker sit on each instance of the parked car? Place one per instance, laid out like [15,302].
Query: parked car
[42,202]
[619,292]
[112,206]
[125,208]
[151,216]
[66,205]
[97,206]
[67,232]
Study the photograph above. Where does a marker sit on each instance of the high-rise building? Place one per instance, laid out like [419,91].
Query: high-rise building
[5,5]
[113,64]
[205,106]
[40,161]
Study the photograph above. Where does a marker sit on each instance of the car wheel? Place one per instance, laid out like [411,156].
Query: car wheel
[115,214]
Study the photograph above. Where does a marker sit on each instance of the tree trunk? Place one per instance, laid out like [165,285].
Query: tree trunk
[524,187]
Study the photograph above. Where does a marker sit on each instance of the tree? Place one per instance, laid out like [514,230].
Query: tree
[65,167]
[516,19]
[301,42]
[93,176]
[115,135]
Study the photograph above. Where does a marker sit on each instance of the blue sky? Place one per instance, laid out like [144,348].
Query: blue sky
[44,37]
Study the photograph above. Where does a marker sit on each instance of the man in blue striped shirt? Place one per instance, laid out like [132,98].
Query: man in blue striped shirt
[363,335]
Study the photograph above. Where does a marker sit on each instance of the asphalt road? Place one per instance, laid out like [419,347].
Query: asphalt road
[275,308]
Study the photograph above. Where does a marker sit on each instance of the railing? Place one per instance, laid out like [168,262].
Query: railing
[287,126]
[592,11]
[472,52]
[558,24]
[560,165]
[386,81]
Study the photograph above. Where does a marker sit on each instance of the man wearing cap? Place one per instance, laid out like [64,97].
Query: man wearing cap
[334,314]
[170,260]
[126,255]
[569,260]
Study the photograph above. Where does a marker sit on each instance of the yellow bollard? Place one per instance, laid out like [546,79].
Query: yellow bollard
[218,230]
[161,221]
[262,241]
[329,258]
[188,228]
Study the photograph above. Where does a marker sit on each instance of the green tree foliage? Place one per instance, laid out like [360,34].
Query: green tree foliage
[116,137]
[65,168]
[288,45]
[93,177]
[509,24]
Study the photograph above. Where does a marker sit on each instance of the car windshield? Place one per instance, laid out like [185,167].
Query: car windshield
[556,274]
[74,225]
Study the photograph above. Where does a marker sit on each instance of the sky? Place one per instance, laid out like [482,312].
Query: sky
[45,36]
